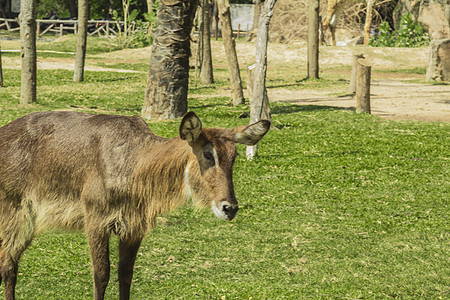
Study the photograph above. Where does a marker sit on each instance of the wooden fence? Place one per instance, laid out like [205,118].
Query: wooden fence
[60,27]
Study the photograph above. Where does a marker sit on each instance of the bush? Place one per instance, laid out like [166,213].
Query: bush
[136,33]
[409,34]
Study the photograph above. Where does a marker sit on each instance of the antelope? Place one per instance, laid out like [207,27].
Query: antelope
[107,174]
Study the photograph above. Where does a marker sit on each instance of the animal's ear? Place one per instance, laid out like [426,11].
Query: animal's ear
[190,127]
[251,134]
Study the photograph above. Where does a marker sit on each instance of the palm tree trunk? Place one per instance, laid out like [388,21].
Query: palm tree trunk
[168,75]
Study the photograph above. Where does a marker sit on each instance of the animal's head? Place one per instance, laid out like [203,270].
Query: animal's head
[210,178]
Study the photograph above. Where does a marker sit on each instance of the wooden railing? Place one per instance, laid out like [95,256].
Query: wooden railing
[99,27]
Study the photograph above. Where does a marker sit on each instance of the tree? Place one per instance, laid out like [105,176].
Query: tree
[257,11]
[259,104]
[83,15]
[313,38]
[237,94]
[368,23]
[168,75]
[27,20]
[207,67]
[1,70]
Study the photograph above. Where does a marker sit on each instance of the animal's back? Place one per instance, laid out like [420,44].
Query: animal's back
[51,158]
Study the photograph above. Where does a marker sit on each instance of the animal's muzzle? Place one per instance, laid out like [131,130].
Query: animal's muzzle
[225,210]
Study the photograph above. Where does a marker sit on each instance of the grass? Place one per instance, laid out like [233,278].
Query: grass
[338,205]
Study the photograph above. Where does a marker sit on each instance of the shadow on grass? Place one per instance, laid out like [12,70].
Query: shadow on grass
[294,108]
[296,83]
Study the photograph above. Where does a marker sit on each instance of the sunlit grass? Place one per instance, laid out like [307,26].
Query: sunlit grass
[337,205]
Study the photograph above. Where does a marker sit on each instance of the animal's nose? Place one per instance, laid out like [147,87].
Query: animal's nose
[230,210]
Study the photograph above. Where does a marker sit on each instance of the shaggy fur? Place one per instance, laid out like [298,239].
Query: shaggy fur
[107,174]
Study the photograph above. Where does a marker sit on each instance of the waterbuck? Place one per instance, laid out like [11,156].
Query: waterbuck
[108,174]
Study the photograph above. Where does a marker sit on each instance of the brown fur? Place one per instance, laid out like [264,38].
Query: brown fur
[107,174]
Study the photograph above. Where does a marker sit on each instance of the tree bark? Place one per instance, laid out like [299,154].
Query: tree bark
[313,39]
[1,68]
[83,15]
[216,19]
[363,87]
[439,60]
[368,23]
[207,67]
[168,75]
[352,86]
[237,93]
[27,19]
[256,13]
[259,103]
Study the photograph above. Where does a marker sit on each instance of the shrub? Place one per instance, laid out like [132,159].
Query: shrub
[136,33]
[409,34]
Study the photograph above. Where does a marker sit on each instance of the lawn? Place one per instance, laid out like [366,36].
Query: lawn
[337,205]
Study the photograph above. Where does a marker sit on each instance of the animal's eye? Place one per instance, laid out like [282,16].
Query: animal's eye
[208,155]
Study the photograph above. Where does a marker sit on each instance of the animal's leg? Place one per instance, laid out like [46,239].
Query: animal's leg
[127,257]
[9,269]
[17,233]
[99,249]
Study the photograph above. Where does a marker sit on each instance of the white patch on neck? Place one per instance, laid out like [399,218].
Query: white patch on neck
[187,186]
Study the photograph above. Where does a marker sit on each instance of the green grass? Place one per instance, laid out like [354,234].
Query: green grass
[337,205]
[420,71]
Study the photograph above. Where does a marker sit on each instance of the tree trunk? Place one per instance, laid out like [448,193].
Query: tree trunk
[168,75]
[313,39]
[207,67]
[27,21]
[368,23]
[259,103]
[237,94]
[1,69]
[439,60]
[216,19]
[257,12]
[83,15]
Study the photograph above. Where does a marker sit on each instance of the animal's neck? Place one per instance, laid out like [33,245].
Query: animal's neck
[160,183]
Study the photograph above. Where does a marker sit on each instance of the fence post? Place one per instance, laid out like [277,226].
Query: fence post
[352,87]
[363,86]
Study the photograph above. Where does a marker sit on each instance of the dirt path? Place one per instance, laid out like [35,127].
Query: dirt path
[390,99]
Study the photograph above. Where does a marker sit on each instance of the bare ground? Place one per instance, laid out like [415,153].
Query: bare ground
[393,96]
[390,99]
